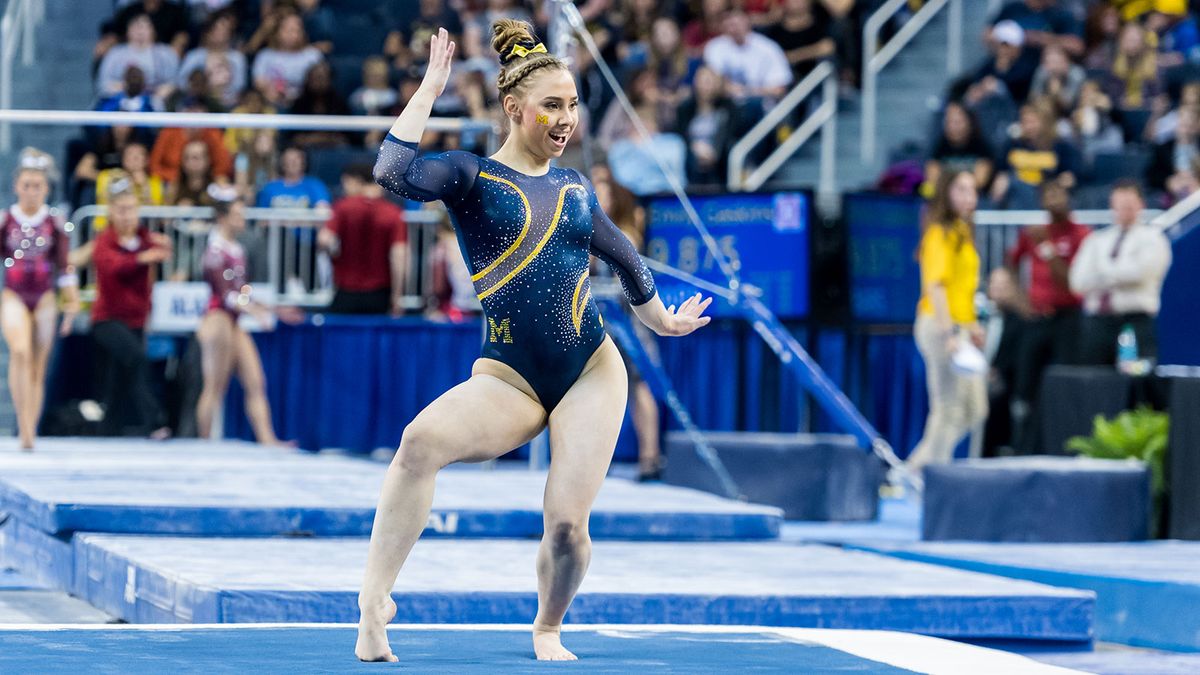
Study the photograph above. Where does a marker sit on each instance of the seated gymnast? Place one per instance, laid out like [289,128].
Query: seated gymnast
[525,229]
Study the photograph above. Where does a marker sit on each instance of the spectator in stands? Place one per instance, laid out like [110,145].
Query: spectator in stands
[1052,333]
[452,297]
[280,68]
[1004,73]
[946,320]
[1177,34]
[407,45]
[124,255]
[1119,271]
[316,22]
[1176,156]
[672,68]
[135,168]
[367,240]
[255,164]
[635,21]
[1035,156]
[375,96]
[1102,27]
[158,62]
[1057,80]
[1091,124]
[708,24]
[1161,127]
[1182,184]
[803,33]
[104,154]
[195,176]
[167,155]
[133,96]
[1133,81]
[961,147]
[616,124]
[319,97]
[755,70]
[636,161]
[293,189]
[216,57]
[252,103]
[197,95]
[169,20]
[704,121]
[1044,24]
[754,66]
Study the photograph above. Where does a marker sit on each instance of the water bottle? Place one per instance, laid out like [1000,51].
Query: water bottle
[1127,350]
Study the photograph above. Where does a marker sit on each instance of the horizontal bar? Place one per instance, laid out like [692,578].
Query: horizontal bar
[230,120]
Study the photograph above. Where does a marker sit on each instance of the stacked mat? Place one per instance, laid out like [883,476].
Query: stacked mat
[226,532]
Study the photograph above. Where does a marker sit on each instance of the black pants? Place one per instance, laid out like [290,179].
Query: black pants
[1044,342]
[131,407]
[361,302]
[1099,344]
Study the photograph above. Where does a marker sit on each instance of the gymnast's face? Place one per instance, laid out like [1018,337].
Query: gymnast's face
[548,112]
[32,189]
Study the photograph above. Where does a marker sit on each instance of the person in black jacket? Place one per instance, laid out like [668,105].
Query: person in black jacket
[704,120]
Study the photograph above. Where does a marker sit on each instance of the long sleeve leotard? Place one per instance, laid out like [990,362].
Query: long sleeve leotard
[526,240]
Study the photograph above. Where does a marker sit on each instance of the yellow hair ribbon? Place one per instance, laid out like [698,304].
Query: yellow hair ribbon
[518,50]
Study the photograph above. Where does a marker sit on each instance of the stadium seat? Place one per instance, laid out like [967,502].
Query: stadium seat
[327,164]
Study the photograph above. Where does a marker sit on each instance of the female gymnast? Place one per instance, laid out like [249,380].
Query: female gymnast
[35,248]
[525,229]
[225,346]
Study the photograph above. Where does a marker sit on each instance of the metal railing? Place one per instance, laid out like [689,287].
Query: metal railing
[876,58]
[17,28]
[996,232]
[294,264]
[823,119]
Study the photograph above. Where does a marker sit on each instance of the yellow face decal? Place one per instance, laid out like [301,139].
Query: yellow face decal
[543,119]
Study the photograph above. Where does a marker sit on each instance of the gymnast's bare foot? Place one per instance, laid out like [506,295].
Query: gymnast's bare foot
[26,443]
[547,644]
[372,642]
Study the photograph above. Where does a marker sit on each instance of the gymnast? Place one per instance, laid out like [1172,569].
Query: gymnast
[225,347]
[525,229]
[35,252]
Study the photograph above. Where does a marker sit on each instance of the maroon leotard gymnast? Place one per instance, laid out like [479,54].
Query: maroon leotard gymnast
[35,252]
[225,272]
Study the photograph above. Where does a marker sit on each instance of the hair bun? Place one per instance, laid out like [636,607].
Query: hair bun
[509,32]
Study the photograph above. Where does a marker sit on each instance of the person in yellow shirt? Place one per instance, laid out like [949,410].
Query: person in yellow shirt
[946,318]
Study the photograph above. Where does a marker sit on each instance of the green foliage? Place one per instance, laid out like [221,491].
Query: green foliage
[1137,434]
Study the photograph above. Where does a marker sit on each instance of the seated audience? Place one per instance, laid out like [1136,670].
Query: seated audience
[216,57]
[158,62]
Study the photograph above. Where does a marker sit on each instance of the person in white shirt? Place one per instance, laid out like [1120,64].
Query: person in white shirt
[1119,271]
[158,62]
[753,65]
[755,69]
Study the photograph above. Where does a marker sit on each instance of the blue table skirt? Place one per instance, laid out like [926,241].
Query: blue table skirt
[355,382]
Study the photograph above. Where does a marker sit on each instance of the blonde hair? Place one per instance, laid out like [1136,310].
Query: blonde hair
[517,65]
[32,159]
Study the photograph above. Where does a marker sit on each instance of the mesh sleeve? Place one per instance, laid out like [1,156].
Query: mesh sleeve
[613,247]
[446,176]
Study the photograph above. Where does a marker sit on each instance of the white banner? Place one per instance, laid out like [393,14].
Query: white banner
[178,306]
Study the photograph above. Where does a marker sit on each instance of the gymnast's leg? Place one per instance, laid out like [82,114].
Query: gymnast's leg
[477,420]
[583,435]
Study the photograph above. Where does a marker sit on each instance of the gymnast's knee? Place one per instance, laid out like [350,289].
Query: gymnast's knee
[419,451]
[566,536]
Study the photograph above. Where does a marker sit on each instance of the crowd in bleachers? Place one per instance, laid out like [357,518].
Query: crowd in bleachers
[1082,93]
[1092,104]
[699,74]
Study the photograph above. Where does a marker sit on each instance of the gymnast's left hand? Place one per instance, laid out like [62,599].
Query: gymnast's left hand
[689,317]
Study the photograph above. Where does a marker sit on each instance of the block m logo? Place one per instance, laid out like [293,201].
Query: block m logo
[499,333]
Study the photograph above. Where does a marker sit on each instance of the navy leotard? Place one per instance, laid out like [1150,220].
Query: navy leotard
[526,241]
